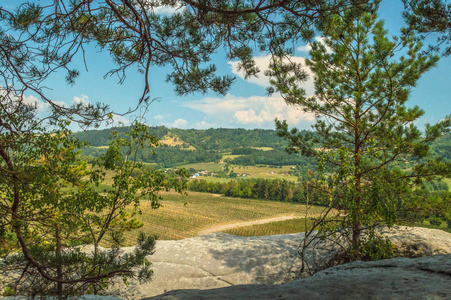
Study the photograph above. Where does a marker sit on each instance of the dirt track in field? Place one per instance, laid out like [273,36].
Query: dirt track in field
[248,223]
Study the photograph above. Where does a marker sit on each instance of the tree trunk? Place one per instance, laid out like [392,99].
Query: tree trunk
[59,270]
[357,226]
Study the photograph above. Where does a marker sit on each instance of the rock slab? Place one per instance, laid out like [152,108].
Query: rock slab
[399,278]
[220,260]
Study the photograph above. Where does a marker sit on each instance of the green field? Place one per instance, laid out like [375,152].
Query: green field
[426,224]
[212,167]
[266,172]
[448,182]
[214,179]
[231,156]
[263,148]
[184,216]
[272,228]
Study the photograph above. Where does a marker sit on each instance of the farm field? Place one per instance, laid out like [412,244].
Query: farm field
[230,156]
[265,171]
[210,166]
[255,171]
[184,216]
[272,228]
[263,148]
[448,182]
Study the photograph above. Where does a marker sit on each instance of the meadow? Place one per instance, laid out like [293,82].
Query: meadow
[258,171]
[272,228]
[184,216]
[448,182]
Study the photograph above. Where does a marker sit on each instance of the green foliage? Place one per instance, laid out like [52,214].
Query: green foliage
[273,158]
[209,144]
[370,248]
[435,185]
[258,188]
[142,37]
[50,203]
[442,147]
[215,139]
[364,127]
[435,221]
[9,291]
[425,204]
[273,228]
[50,200]
[430,16]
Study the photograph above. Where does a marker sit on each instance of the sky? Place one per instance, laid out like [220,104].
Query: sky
[246,105]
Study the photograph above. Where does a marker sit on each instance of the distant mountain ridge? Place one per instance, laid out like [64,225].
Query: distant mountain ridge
[187,146]
[247,146]
[219,139]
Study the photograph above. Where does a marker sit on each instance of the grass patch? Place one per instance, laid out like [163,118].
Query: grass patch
[231,156]
[298,225]
[214,179]
[184,216]
[272,228]
[448,182]
[263,148]
[266,172]
[426,224]
[212,167]
[174,141]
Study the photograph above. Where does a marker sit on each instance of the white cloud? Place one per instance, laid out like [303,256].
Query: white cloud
[204,125]
[308,47]
[179,123]
[250,117]
[117,119]
[120,119]
[42,107]
[263,62]
[32,100]
[158,117]
[210,105]
[83,99]
[252,111]
[166,10]
[159,9]
[305,48]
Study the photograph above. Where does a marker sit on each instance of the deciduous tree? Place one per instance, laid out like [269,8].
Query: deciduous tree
[51,202]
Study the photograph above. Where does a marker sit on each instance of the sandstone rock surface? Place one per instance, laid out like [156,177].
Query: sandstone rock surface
[398,278]
[220,260]
[222,266]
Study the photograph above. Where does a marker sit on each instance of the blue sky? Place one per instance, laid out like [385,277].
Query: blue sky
[245,106]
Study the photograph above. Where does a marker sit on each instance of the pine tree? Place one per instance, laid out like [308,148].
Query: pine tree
[364,130]
[430,16]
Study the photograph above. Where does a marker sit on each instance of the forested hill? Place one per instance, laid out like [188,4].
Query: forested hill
[187,146]
[220,139]
[237,146]
[442,147]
